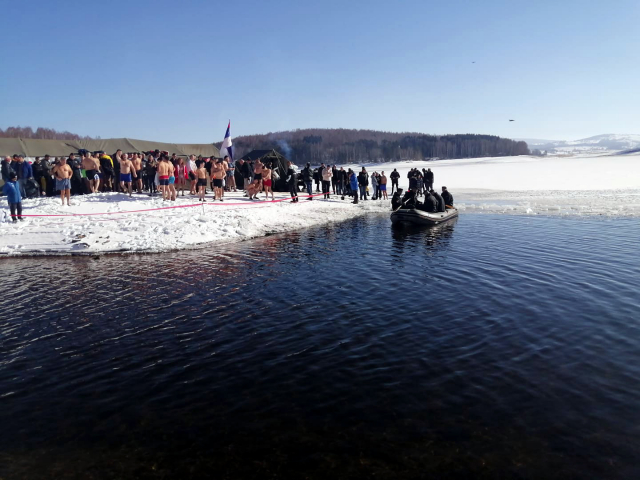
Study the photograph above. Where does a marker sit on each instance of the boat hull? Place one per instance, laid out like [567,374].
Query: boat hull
[412,216]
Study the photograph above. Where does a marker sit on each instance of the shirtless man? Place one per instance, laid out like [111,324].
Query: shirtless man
[165,169]
[231,175]
[62,172]
[91,166]
[383,186]
[217,174]
[126,171]
[256,185]
[137,167]
[201,175]
[267,183]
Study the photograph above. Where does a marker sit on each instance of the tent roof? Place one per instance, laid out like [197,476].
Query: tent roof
[30,147]
[259,154]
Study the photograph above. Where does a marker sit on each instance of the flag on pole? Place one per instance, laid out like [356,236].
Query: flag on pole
[226,143]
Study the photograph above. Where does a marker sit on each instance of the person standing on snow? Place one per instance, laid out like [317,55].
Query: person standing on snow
[394,176]
[353,181]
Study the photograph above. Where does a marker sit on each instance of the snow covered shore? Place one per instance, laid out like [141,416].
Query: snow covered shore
[555,185]
[582,185]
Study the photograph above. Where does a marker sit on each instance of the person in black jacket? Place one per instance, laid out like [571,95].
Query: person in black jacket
[307,177]
[245,170]
[316,178]
[430,203]
[7,169]
[292,182]
[363,183]
[441,207]
[394,176]
[447,197]
[428,179]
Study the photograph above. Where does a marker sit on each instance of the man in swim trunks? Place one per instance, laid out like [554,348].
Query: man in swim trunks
[256,185]
[165,170]
[126,171]
[62,173]
[201,175]
[231,175]
[137,167]
[217,174]
[91,167]
[267,183]
[383,186]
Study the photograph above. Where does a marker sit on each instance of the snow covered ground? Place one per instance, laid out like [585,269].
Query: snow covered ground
[579,185]
[553,185]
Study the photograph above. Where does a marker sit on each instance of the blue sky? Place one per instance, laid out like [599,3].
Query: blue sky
[177,71]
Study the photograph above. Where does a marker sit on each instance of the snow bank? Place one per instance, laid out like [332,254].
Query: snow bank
[579,185]
[162,229]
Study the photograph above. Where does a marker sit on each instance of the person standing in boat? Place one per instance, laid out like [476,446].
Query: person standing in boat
[447,197]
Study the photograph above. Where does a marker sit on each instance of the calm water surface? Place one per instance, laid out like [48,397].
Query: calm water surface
[493,347]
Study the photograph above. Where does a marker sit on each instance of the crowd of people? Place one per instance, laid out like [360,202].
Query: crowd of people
[158,172]
[345,183]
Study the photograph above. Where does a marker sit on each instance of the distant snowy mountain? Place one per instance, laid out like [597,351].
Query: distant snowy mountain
[599,143]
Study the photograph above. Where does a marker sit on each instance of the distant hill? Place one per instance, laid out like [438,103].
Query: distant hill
[41,133]
[598,143]
[338,145]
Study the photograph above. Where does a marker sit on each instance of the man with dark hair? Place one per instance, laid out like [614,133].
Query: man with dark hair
[428,179]
[430,203]
[245,170]
[12,192]
[441,206]
[307,177]
[116,157]
[327,175]
[62,173]
[447,197]
[363,183]
[394,176]
[292,182]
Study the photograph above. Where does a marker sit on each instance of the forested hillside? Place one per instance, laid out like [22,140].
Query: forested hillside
[360,146]
[40,133]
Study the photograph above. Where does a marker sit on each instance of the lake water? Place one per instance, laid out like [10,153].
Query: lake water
[492,347]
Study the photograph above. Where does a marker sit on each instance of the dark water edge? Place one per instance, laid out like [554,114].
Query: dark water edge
[493,347]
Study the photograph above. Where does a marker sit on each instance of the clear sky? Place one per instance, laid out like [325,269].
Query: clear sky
[176,71]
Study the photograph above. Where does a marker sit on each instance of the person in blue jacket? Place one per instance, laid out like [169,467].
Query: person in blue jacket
[12,191]
[353,182]
[24,172]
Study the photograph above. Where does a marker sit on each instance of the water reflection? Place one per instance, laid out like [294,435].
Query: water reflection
[406,237]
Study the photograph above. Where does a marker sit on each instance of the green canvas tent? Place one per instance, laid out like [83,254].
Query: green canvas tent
[30,147]
[278,164]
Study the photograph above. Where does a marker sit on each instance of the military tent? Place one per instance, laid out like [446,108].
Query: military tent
[277,162]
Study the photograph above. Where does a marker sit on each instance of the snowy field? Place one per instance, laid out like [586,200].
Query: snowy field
[579,185]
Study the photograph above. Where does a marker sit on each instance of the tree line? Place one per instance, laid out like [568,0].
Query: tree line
[41,134]
[337,145]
